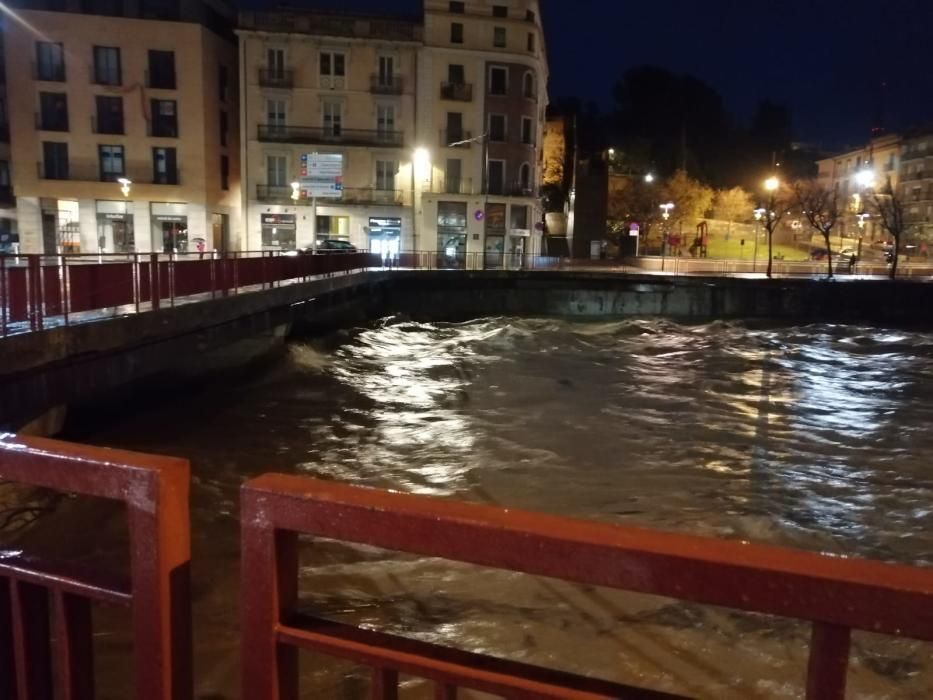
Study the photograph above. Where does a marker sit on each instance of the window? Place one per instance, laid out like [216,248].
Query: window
[457,8]
[527,134]
[528,85]
[4,173]
[224,127]
[518,218]
[112,166]
[453,176]
[50,61]
[53,111]
[531,41]
[524,178]
[497,127]
[385,121]
[385,174]
[164,166]
[162,70]
[164,118]
[455,74]
[55,160]
[275,63]
[276,171]
[498,81]
[275,114]
[333,118]
[333,64]
[496,183]
[500,11]
[223,82]
[529,15]
[224,173]
[107,65]
[454,127]
[891,163]
[109,114]
[456,33]
[386,71]
[498,37]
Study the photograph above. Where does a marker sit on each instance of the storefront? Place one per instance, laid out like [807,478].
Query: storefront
[494,245]
[278,231]
[385,236]
[169,227]
[115,227]
[451,234]
[333,228]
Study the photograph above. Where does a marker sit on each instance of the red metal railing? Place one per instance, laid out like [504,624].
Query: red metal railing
[38,291]
[39,660]
[835,594]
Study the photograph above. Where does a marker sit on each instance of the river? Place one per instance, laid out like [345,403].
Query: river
[813,436]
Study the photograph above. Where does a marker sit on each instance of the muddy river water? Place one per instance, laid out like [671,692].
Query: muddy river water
[815,437]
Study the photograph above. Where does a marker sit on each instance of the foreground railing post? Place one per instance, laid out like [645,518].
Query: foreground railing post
[829,662]
[4,294]
[155,282]
[269,587]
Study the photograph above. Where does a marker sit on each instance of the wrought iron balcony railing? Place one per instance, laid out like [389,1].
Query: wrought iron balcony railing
[330,135]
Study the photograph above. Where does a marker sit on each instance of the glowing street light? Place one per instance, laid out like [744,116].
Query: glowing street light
[865,178]
[772,184]
[421,157]
[125,184]
[666,208]
[296,191]
[759,213]
[649,178]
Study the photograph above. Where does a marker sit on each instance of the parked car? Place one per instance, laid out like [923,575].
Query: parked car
[330,245]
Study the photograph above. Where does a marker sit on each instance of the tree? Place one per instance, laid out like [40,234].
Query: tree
[732,205]
[823,208]
[774,211]
[631,199]
[692,199]
[889,208]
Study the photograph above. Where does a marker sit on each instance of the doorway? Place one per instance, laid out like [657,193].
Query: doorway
[49,233]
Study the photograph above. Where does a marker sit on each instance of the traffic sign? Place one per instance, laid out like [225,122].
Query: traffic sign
[322,175]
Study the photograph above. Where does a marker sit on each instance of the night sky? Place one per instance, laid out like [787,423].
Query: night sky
[825,59]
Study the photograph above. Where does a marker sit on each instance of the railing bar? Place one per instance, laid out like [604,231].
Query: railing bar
[31,648]
[26,571]
[829,662]
[445,691]
[384,684]
[74,647]
[7,659]
[450,666]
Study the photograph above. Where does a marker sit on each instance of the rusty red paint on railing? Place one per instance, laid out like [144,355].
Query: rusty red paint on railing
[835,594]
[34,288]
[155,492]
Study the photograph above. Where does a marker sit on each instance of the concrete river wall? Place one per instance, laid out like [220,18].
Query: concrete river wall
[43,373]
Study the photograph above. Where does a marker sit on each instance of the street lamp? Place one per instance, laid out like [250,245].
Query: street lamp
[666,208]
[649,178]
[759,212]
[772,184]
[865,178]
[296,191]
[125,184]
[666,214]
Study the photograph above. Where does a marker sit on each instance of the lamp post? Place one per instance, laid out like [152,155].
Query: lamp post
[759,212]
[420,159]
[666,215]
[772,215]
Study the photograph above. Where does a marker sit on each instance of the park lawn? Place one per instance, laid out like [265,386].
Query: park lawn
[733,249]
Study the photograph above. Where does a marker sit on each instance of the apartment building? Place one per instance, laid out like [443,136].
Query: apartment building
[318,83]
[437,122]
[483,86]
[882,157]
[916,183]
[125,130]
[9,232]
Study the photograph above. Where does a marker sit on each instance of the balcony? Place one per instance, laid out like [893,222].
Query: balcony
[322,135]
[138,173]
[513,189]
[452,185]
[274,194]
[386,84]
[276,78]
[915,154]
[457,92]
[461,137]
[6,196]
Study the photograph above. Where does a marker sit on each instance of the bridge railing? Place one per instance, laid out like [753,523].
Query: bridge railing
[37,291]
[835,594]
[46,645]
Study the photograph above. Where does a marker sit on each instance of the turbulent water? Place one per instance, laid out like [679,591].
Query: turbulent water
[809,436]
